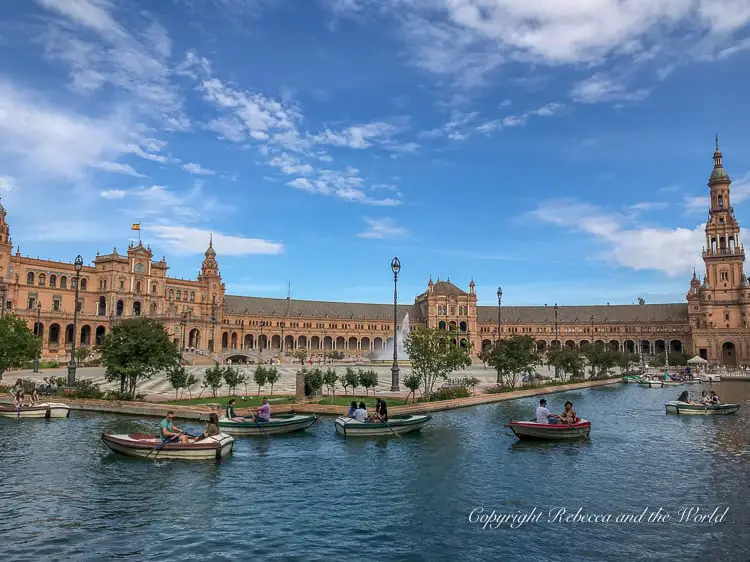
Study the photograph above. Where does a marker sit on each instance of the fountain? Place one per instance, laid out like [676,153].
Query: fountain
[387,353]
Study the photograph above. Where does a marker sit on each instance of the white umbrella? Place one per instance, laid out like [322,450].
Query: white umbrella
[697,360]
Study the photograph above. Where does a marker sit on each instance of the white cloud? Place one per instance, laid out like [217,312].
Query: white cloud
[382,228]
[7,183]
[600,88]
[290,165]
[197,169]
[189,240]
[112,194]
[119,168]
[740,191]
[357,136]
[510,121]
[674,251]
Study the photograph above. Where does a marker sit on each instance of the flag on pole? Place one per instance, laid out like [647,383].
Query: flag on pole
[136,226]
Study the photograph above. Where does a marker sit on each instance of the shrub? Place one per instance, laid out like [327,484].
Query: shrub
[499,389]
[84,388]
[450,393]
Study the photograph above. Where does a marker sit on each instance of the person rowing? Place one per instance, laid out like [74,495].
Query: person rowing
[263,414]
[543,415]
[169,432]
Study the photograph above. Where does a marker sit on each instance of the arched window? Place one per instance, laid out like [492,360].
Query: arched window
[120,307]
[84,284]
[721,202]
[192,296]
[53,280]
[30,278]
[136,308]
[153,308]
[63,282]
[171,294]
[138,287]
[153,288]
[42,279]
[179,294]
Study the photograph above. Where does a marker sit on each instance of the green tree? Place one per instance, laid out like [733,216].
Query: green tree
[412,382]
[189,382]
[82,353]
[433,356]
[350,378]
[368,379]
[314,380]
[626,359]
[178,378]
[260,377]
[272,377]
[473,382]
[335,355]
[300,355]
[136,350]
[18,344]
[513,357]
[213,378]
[329,380]
[675,358]
[568,360]
[233,378]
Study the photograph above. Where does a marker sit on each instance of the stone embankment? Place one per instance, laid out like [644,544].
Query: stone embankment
[200,412]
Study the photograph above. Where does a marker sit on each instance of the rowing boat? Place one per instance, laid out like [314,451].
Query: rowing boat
[551,431]
[146,445]
[631,379]
[398,425]
[651,383]
[283,423]
[43,410]
[683,408]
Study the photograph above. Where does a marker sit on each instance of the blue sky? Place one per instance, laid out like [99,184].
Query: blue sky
[560,150]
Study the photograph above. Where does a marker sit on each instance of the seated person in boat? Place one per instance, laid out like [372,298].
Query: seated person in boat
[705,399]
[685,397]
[230,413]
[381,412]
[569,414]
[714,398]
[352,409]
[263,414]
[543,415]
[360,414]
[169,432]
[212,428]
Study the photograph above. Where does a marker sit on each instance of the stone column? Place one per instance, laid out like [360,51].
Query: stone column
[299,395]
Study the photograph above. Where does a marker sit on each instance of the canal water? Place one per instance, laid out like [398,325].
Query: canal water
[317,496]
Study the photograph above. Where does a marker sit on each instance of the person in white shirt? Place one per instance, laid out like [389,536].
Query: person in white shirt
[543,415]
[360,414]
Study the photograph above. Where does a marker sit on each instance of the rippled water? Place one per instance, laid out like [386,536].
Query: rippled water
[316,496]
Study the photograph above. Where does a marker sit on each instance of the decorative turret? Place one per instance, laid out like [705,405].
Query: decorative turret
[430,286]
[472,286]
[4,229]
[719,174]
[209,267]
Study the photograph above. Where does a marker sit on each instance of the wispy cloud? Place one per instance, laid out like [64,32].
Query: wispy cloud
[382,228]
[119,168]
[197,169]
[190,240]
[7,183]
[601,88]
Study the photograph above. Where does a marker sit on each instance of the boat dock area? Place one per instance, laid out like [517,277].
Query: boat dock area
[201,412]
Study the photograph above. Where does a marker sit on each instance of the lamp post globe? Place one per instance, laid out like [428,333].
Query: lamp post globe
[78,266]
[499,304]
[38,334]
[395,268]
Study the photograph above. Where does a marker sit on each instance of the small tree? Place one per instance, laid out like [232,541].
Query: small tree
[473,382]
[368,379]
[260,377]
[412,382]
[233,378]
[567,360]
[335,355]
[300,355]
[82,353]
[213,379]
[136,350]
[189,382]
[18,344]
[178,378]
[433,356]
[512,357]
[351,378]
[272,377]
[329,379]
[314,380]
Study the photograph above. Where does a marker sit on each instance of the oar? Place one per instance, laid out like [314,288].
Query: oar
[160,446]
[579,431]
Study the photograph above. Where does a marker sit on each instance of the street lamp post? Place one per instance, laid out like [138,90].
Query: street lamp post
[260,343]
[183,325]
[212,343]
[557,339]
[499,304]
[78,265]
[395,268]
[592,330]
[38,334]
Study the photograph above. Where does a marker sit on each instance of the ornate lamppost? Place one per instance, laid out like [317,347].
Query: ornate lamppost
[557,339]
[212,343]
[395,268]
[260,343]
[78,265]
[38,334]
[592,330]
[183,325]
[3,295]
[499,304]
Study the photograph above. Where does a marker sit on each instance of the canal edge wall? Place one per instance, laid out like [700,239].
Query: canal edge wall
[200,413]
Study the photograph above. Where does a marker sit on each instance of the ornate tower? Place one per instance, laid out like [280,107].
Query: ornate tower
[213,288]
[6,245]
[719,308]
[209,267]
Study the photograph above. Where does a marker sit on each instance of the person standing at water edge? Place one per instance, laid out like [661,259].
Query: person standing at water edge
[169,431]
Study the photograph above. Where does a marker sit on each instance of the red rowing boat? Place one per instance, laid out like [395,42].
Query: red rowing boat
[551,431]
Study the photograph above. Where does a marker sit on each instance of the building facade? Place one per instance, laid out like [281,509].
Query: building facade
[199,315]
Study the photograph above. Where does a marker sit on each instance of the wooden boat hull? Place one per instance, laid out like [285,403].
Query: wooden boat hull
[671,383]
[651,384]
[710,378]
[278,425]
[685,409]
[551,431]
[397,425]
[148,446]
[630,379]
[44,410]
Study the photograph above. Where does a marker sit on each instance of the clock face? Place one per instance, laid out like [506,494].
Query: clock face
[140,268]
